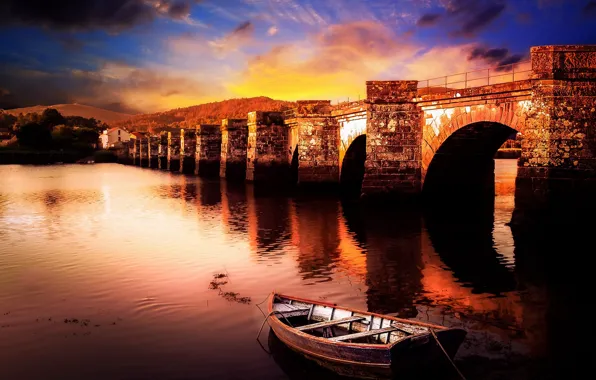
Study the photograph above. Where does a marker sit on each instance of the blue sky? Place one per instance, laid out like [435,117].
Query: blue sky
[153,55]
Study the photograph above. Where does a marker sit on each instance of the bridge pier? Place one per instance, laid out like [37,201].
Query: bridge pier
[393,140]
[234,138]
[188,147]
[173,152]
[557,168]
[136,146]
[144,152]
[162,152]
[153,151]
[314,136]
[208,150]
[268,150]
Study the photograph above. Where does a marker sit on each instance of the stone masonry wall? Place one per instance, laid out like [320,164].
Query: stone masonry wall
[153,151]
[558,162]
[162,152]
[136,146]
[394,137]
[173,152]
[188,146]
[268,147]
[208,150]
[316,134]
[144,152]
[234,139]
[318,150]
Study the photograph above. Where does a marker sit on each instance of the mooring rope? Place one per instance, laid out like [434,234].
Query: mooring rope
[267,320]
[446,354]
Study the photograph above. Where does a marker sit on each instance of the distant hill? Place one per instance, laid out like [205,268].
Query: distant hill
[76,110]
[209,113]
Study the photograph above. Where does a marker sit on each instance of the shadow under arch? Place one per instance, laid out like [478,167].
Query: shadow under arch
[463,167]
[465,243]
[294,167]
[352,169]
[459,212]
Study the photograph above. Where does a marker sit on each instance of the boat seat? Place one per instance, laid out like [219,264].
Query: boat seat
[329,323]
[363,334]
[288,310]
[403,330]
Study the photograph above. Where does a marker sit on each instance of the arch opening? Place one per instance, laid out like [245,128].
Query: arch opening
[352,169]
[463,168]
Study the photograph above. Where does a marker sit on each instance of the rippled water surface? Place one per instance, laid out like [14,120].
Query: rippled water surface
[105,273]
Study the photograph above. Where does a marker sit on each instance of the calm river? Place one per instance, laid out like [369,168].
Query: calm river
[105,273]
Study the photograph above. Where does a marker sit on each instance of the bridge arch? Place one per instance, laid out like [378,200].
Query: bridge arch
[440,123]
[352,167]
[352,153]
[459,144]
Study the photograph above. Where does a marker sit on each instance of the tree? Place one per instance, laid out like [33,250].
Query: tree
[62,136]
[7,120]
[35,136]
[86,136]
[50,118]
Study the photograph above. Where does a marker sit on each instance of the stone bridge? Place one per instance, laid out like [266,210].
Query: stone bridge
[406,139]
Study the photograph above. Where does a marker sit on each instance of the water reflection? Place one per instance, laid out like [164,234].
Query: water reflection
[317,238]
[111,242]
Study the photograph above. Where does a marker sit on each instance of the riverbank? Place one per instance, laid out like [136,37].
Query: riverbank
[32,157]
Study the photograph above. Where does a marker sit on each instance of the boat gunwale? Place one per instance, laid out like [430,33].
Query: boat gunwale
[349,344]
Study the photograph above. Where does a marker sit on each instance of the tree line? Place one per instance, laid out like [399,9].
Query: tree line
[50,130]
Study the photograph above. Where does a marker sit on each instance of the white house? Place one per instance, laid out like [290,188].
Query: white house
[112,136]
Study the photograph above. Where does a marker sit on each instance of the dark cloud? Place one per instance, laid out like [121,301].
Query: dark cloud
[590,7]
[90,14]
[515,58]
[428,19]
[179,9]
[468,16]
[489,55]
[494,57]
[245,27]
[481,18]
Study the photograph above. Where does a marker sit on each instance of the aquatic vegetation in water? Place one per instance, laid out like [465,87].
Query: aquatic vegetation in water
[214,284]
[218,282]
[233,296]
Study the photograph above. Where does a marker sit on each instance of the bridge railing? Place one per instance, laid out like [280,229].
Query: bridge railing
[477,78]
[348,104]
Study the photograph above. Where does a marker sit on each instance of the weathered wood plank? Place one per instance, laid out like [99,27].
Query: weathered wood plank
[363,334]
[329,323]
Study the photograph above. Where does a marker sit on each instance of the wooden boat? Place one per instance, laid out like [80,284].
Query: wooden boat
[357,343]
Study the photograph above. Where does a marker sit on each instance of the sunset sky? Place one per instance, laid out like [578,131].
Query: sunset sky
[152,55]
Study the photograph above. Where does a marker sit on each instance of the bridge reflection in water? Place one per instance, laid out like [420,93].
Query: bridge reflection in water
[459,267]
[454,265]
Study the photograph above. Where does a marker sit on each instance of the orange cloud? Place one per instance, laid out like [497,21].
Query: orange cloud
[334,63]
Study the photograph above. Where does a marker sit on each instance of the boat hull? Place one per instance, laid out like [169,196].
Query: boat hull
[373,361]
[348,362]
